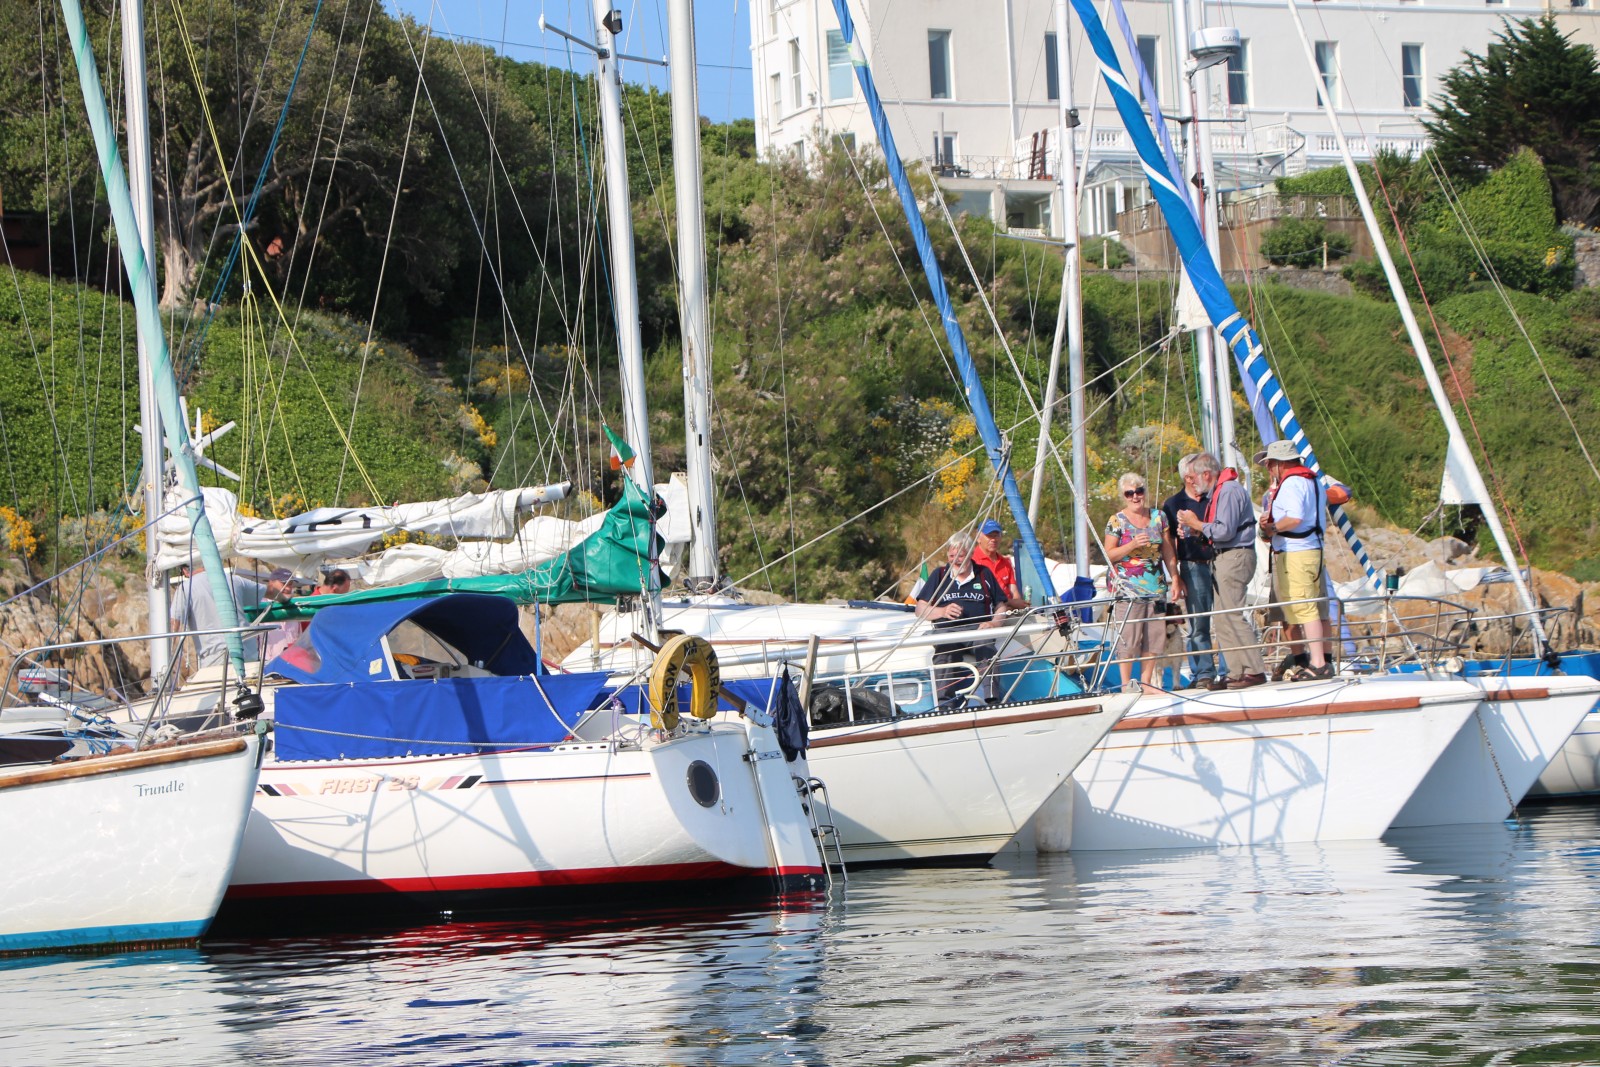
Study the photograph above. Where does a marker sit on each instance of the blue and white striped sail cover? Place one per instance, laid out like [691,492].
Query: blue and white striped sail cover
[1203,274]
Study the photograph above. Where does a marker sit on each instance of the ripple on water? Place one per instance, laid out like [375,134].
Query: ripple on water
[1461,945]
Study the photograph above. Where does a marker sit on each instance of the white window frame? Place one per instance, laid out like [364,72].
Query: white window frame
[1418,90]
[1150,51]
[840,70]
[794,77]
[1327,53]
[1238,70]
[948,61]
[1052,68]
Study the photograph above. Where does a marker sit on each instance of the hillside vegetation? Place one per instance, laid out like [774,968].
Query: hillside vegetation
[466,229]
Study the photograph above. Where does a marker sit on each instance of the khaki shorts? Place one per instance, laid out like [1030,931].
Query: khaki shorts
[1144,628]
[1298,576]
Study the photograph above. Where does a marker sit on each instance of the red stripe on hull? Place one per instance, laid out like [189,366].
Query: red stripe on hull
[1308,711]
[667,872]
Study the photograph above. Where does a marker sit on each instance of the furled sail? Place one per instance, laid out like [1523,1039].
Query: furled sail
[976,397]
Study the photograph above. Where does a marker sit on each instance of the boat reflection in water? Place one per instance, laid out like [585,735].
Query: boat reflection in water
[1447,945]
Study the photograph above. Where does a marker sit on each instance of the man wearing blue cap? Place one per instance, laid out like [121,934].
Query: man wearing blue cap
[989,554]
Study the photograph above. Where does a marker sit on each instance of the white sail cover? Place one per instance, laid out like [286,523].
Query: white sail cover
[304,541]
[175,534]
[485,526]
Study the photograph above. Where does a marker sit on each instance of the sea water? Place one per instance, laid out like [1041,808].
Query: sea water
[1461,945]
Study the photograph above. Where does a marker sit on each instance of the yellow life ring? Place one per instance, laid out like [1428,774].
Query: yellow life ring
[683,652]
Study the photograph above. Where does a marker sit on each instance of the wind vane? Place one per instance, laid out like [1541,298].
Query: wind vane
[198,443]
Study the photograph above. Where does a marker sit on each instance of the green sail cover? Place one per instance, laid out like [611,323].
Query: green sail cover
[613,561]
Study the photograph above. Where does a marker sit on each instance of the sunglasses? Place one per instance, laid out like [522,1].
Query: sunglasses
[1133,492]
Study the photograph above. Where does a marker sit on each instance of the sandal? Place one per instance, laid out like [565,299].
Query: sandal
[1309,674]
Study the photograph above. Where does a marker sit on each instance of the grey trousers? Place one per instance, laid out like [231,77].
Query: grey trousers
[1234,567]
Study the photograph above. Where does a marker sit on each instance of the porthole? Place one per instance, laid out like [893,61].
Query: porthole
[703,784]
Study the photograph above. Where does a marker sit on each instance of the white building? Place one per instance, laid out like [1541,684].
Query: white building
[971,87]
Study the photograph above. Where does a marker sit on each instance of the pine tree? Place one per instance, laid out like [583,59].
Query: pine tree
[1532,89]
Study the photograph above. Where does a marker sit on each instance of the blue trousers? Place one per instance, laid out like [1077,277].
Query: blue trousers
[1198,592]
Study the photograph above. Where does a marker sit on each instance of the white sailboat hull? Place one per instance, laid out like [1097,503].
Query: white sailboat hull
[1575,770]
[956,785]
[1514,733]
[918,787]
[519,828]
[124,850]
[1310,761]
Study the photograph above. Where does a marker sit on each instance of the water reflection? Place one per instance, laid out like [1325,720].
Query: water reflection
[1462,944]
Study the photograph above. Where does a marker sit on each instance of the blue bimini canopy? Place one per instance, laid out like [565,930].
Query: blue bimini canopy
[345,642]
[351,706]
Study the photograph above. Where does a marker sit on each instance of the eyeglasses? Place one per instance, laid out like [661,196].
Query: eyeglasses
[1130,493]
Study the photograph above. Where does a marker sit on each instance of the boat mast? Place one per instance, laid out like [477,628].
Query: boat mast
[142,280]
[153,467]
[1457,442]
[1069,315]
[624,273]
[1205,359]
[692,295]
[1227,449]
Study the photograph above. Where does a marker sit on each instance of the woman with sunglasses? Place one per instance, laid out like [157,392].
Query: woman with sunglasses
[1141,558]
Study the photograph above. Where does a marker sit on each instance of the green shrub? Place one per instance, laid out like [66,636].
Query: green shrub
[1292,242]
[1103,252]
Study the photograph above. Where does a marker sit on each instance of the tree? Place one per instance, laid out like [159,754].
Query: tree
[1532,89]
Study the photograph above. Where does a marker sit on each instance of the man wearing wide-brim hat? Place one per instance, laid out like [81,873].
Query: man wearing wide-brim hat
[1291,519]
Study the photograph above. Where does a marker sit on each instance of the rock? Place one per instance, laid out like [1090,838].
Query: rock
[1446,550]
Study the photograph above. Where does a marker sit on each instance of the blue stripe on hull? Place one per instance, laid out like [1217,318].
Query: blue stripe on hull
[104,937]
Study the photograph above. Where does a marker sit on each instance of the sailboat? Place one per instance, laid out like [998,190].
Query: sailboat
[921,782]
[1177,771]
[1512,730]
[424,760]
[1520,726]
[115,840]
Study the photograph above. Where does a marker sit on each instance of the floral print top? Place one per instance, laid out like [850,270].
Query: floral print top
[1140,574]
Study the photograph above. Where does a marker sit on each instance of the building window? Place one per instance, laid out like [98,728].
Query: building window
[794,66]
[1328,71]
[777,94]
[847,139]
[944,151]
[1149,47]
[772,17]
[1239,75]
[841,75]
[939,64]
[1411,75]
[1052,69]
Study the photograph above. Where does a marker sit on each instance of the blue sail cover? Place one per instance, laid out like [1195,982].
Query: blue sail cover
[977,398]
[1203,274]
[347,639]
